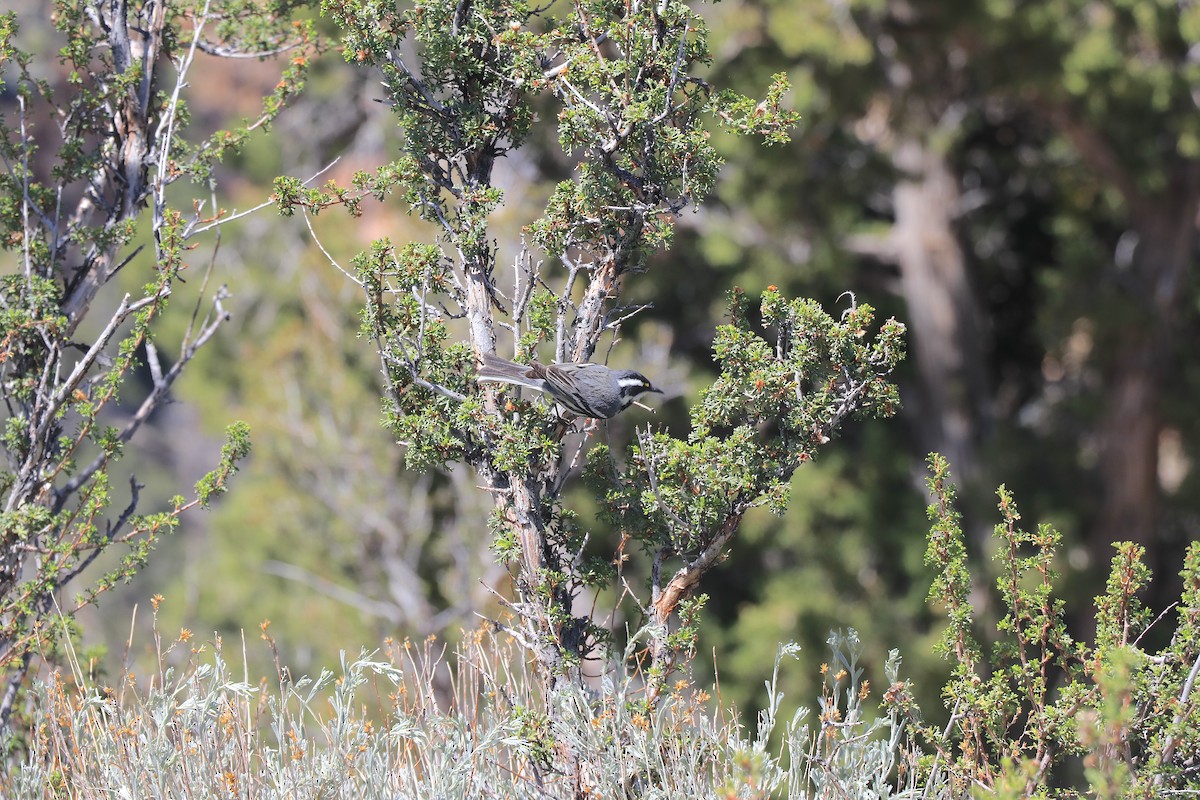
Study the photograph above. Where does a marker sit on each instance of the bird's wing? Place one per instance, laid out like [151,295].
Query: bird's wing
[563,383]
[560,376]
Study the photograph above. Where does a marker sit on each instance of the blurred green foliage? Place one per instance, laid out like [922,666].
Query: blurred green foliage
[1045,236]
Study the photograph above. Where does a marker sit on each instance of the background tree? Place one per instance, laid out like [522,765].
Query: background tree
[84,158]
[629,108]
[982,162]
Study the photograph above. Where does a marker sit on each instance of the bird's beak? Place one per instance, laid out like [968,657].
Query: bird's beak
[654,389]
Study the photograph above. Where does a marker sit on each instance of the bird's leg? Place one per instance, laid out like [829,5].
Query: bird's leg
[565,421]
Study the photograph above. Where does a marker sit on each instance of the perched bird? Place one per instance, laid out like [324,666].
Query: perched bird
[586,389]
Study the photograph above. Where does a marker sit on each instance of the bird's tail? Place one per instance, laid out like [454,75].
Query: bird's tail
[499,370]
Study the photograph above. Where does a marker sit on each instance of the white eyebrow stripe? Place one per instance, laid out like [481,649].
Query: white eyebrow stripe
[625,383]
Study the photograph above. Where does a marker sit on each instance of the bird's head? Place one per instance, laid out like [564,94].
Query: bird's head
[634,385]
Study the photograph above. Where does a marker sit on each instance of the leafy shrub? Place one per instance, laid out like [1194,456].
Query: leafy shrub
[412,721]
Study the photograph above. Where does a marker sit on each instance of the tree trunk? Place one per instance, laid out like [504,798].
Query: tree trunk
[946,339]
[1128,445]
[1128,432]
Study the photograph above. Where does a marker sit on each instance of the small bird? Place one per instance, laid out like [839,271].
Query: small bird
[586,389]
